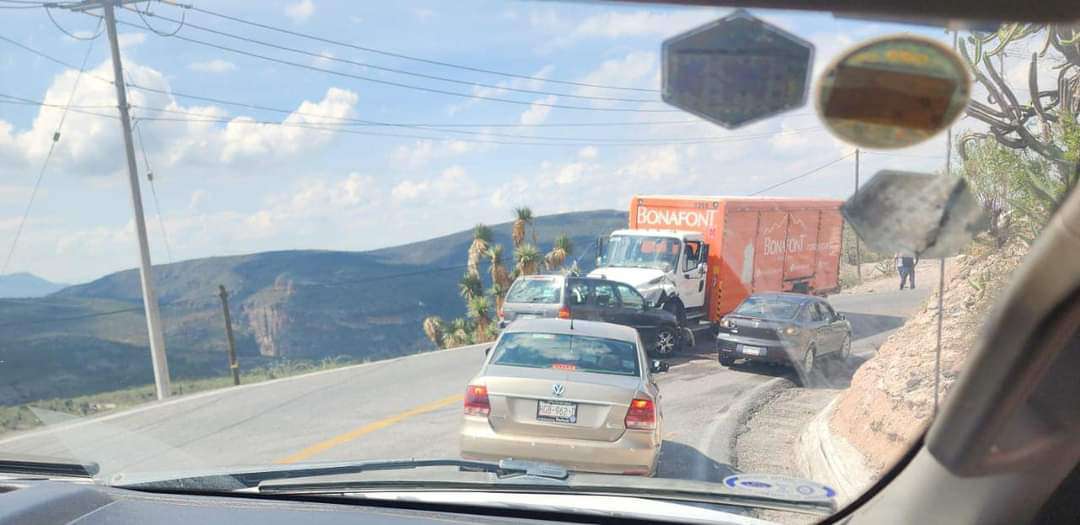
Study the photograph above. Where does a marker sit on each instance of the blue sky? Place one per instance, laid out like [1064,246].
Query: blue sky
[238,187]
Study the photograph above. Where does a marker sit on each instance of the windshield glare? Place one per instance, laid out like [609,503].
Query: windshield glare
[543,291]
[769,308]
[324,218]
[633,251]
[567,353]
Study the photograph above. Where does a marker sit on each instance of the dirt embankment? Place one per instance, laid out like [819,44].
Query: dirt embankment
[891,397]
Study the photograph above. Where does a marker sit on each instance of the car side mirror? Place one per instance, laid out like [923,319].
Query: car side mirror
[657,366]
[702,267]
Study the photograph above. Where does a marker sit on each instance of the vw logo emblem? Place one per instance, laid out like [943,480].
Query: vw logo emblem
[557,389]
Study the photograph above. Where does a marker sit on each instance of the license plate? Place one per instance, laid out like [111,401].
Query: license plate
[751,350]
[556,411]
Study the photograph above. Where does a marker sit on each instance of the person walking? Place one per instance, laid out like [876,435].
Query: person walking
[906,266]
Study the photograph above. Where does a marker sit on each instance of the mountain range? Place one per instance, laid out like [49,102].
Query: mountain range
[297,304]
[25,284]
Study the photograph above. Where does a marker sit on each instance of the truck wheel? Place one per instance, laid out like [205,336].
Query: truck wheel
[667,341]
[726,361]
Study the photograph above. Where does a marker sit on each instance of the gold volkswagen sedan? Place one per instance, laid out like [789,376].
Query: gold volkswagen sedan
[574,393]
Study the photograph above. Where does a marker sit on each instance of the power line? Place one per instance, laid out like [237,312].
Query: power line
[287,111]
[801,175]
[413,58]
[331,58]
[598,140]
[153,190]
[180,23]
[401,85]
[539,140]
[48,156]
[48,11]
[466,140]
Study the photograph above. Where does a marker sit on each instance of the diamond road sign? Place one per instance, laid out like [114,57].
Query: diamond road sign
[736,70]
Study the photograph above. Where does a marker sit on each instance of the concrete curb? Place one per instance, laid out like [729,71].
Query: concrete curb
[726,429]
[830,459]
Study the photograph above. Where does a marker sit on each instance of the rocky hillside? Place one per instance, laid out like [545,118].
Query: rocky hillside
[891,397]
[288,304]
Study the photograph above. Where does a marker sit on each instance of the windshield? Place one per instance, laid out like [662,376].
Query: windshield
[567,352]
[545,291]
[632,251]
[780,308]
[278,234]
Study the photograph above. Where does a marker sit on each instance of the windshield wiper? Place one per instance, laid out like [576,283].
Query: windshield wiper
[508,475]
[254,478]
[45,466]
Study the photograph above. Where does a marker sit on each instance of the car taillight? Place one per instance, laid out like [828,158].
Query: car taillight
[641,415]
[564,312]
[476,401]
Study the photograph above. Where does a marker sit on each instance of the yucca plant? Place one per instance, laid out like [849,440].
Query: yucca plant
[528,259]
[499,274]
[479,310]
[523,217]
[470,286]
[481,241]
[435,330]
[560,251]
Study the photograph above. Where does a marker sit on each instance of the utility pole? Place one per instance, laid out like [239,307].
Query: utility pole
[234,366]
[150,304]
[858,244]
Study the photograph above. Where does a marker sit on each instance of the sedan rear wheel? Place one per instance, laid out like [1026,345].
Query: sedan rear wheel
[666,341]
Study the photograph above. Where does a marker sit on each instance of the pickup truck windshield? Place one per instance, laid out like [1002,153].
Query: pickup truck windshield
[632,251]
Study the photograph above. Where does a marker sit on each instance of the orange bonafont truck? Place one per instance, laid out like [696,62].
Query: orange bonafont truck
[699,257]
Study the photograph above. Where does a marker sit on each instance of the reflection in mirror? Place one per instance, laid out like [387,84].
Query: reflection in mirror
[893,92]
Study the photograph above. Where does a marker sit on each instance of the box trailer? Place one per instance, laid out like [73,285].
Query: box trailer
[701,256]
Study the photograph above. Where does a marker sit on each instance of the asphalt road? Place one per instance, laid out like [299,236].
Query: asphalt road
[402,408]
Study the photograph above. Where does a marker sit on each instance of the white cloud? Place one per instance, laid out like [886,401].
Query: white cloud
[325,57]
[588,152]
[300,11]
[633,70]
[618,24]
[422,152]
[216,65]
[243,139]
[129,40]
[423,14]
[535,82]
[538,112]
[89,143]
[198,198]
[452,186]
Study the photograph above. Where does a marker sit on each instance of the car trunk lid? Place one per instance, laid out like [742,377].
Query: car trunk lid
[601,402]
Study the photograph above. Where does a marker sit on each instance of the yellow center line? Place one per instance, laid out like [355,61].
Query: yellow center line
[358,432]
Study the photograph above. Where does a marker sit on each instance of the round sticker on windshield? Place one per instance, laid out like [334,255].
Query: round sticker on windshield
[780,486]
[893,92]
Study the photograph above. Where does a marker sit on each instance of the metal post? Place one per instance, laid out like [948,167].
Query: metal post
[858,244]
[941,272]
[153,318]
[234,366]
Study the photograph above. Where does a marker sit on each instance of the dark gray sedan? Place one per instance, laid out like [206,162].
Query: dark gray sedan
[783,328]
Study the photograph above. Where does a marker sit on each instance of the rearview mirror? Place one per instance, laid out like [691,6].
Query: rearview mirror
[657,366]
